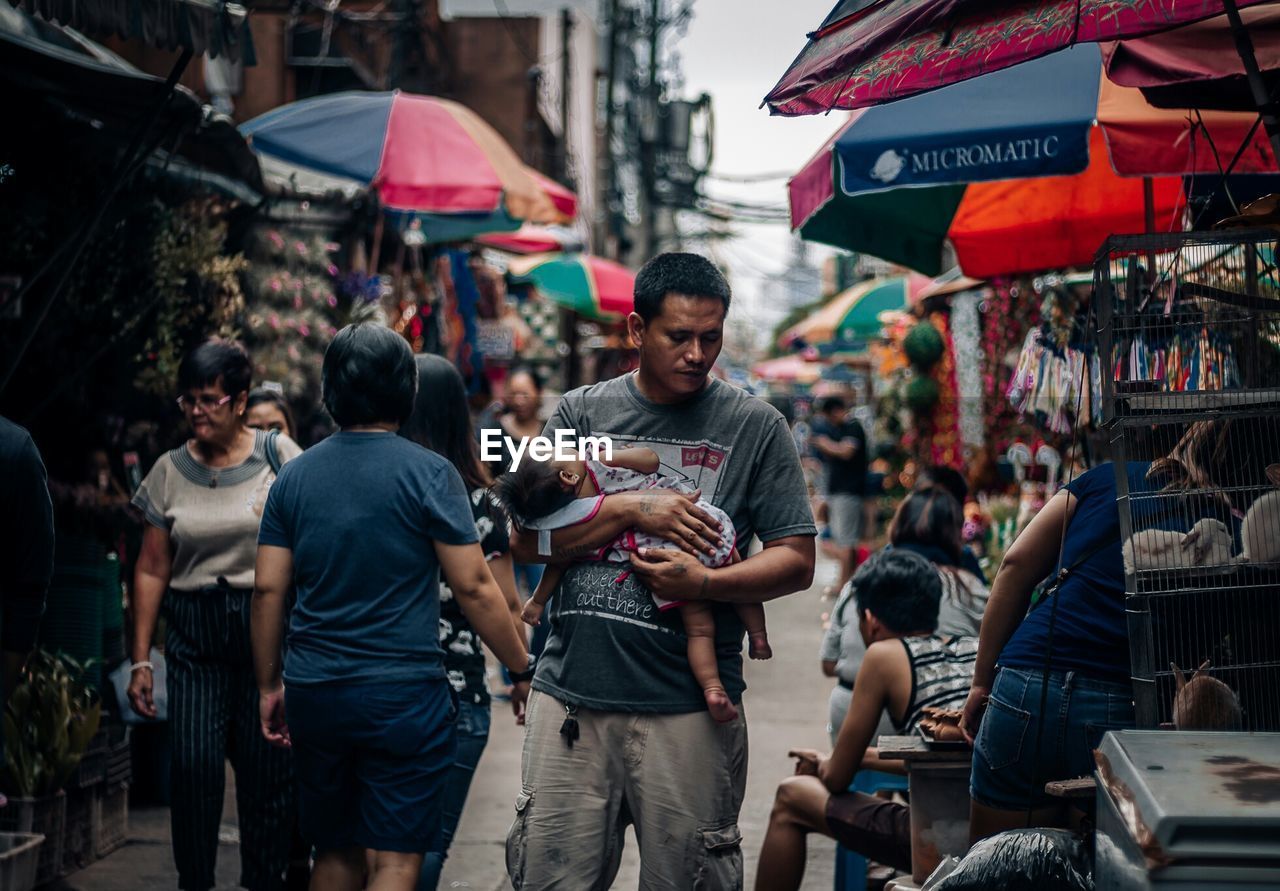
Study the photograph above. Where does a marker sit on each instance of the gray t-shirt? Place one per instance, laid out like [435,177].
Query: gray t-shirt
[211,514]
[610,648]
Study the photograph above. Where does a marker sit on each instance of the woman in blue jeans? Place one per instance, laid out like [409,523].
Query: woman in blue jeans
[440,421]
[1089,686]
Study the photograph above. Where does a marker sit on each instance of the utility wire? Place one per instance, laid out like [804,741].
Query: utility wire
[749,177]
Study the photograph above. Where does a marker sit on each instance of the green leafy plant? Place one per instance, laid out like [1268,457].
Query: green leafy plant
[49,720]
[196,284]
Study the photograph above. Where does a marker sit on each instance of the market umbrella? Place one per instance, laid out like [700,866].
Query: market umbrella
[1017,169]
[1198,65]
[530,239]
[589,285]
[854,314]
[788,369]
[872,51]
[420,154]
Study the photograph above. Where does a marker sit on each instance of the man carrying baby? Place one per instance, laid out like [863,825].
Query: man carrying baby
[618,729]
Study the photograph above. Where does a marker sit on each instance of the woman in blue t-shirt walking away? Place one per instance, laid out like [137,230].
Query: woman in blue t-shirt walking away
[361,526]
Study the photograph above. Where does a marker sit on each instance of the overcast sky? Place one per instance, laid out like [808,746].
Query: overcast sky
[736,50]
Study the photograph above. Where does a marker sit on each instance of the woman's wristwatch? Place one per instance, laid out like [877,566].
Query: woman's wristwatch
[523,677]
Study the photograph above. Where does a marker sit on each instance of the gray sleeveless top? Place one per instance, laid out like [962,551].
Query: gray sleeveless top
[941,674]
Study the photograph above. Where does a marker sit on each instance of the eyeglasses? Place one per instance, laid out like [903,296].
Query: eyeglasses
[204,403]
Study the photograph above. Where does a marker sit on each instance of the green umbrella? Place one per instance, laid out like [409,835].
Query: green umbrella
[590,286]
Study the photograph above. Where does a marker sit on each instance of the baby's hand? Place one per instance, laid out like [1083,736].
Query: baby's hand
[532,613]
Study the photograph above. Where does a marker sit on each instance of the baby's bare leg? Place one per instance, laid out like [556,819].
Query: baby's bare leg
[700,627]
[537,602]
[752,615]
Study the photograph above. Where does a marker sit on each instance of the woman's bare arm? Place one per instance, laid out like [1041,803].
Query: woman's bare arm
[482,602]
[1029,560]
[150,580]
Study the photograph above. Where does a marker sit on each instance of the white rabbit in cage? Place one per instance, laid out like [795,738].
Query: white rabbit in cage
[1208,543]
[1260,531]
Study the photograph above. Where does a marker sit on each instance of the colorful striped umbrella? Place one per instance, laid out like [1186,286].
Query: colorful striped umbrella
[418,153]
[853,315]
[1018,169]
[871,51]
[590,286]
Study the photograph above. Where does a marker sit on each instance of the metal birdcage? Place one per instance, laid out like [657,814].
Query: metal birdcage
[1189,338]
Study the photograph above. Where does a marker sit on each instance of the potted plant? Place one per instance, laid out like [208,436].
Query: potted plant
[49,719]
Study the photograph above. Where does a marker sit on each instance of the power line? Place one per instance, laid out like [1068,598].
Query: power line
[750,177]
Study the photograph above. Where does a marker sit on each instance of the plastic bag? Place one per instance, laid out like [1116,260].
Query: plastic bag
[1023,860]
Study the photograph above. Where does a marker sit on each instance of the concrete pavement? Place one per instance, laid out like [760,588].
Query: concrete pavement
[786,706]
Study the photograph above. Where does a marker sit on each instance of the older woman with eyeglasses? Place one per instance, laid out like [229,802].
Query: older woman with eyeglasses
[203,502]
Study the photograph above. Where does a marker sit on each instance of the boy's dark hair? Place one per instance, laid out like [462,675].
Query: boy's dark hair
[677,273]
[216,360]
[368,376]
[901,589]
[531,491]
[830,403]
[945,477]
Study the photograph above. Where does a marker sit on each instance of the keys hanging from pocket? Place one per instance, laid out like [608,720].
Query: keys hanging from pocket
[569,729]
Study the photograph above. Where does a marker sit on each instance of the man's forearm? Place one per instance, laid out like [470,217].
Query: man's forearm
[266,632]
[616,514]
[773,572]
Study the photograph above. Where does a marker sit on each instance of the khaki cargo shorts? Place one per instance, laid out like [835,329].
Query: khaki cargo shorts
[678,779]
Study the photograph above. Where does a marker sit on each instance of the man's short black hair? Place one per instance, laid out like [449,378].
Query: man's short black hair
[678,273]
[531,491]
[368,376]
[213,361]
[830,404]
[901,589]
[945,477]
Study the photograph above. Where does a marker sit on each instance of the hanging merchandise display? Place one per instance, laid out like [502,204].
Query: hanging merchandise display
[1181,359]
[1058,380]
[1007,315]
[298,299]
[944,442]
[1058,387]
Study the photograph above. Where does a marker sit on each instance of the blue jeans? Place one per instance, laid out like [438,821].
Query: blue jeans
[473,734]
[1079,710]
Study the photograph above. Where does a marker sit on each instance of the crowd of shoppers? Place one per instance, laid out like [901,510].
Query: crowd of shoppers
[325,612]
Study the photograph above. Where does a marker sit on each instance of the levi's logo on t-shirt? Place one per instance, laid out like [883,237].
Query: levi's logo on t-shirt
[701,456]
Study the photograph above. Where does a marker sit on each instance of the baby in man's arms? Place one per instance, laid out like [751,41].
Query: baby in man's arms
[536,489]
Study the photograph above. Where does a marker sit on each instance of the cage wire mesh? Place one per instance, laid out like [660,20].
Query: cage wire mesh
[1189,339]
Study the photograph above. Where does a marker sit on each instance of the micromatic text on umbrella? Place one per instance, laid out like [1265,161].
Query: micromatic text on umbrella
[565,445]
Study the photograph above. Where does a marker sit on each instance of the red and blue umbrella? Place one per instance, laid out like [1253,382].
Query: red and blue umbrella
[420,154]
[1021,170]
